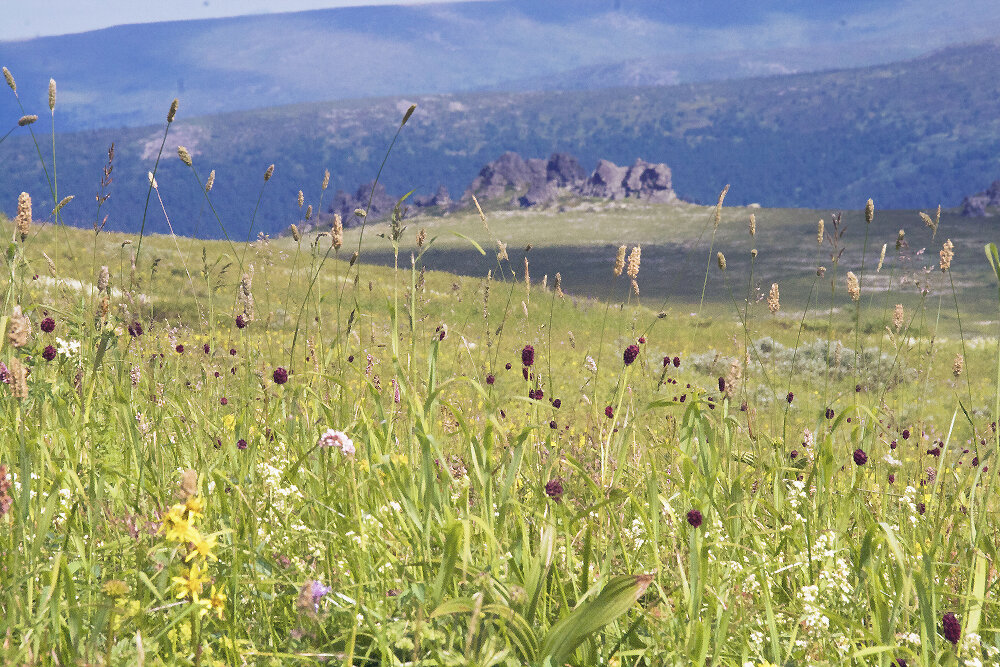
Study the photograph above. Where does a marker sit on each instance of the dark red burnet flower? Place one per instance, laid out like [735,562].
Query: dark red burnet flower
[240,321]
[49,353]
[666,361]
[553,425]
[180,349]
[790,397]
[135,329]
[829,413]
[508,367]
[206,348]
[490,379]
[280,375]
[630,354]
[906,434]
[528,355]
[241,444]
[609,412]
[694,518]
[722,383]
[232,351]
[554,489]
[224,401]
[557,403]
[677,362]
[860,458]
[951,628]
[642,340]
[48,325]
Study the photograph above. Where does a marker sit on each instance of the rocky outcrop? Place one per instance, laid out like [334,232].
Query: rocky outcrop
[976,205]
[440,199]
[643,180]
[508,172]
[345,204]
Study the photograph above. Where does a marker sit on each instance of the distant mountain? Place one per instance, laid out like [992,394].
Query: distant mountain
[910,134]
[125,75]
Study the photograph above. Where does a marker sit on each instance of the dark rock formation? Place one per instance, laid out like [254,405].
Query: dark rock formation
[643,180]
[564,171]
[440,199]
[508,172]
[345,204]
[539,194]
[976,205]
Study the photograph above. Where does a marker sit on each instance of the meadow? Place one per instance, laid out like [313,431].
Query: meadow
[685,435]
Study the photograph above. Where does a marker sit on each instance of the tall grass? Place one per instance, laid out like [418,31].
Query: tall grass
[352,474]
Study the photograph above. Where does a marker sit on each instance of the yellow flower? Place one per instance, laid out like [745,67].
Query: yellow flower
[181,530]
[216,602]
[192,585]
[202,547]
[195,506]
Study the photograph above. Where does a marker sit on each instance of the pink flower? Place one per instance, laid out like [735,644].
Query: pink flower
[338,439]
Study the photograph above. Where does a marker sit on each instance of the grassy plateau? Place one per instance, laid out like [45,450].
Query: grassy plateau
[597,434]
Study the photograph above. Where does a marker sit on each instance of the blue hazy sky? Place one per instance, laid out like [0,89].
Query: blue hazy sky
[23,20]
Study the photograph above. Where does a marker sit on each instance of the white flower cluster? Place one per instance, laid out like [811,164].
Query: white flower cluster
[338,439]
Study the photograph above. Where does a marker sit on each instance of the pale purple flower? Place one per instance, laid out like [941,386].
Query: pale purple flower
[338,439]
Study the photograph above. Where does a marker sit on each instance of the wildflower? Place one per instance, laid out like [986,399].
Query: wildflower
[554,489]
[206,348]
[48,325]
[203,547]
[952,629]
[666,361]
[241,444]
[677,362]
[241,321]
[135,329]
[590,364]
[528,355]
[195,506]
[115,588]
[216,602]
[490,379]
[5,499]
[829,413]
[722,384]
[191,586]
[630,354]
[338,439]
[609,412]
[790,397]
[906,434]
[49,353]
[694,518]
[860,458]
[557,403]
[280,375]
[310,595]
[553,425]
[180,348]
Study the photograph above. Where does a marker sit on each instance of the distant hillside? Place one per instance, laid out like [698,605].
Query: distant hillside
[910,134]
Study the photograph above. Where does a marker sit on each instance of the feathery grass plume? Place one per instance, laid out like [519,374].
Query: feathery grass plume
[326,179]
[482,216]
[947,254]
[354,258]
[634,258]
[853,287]
[869,211]
[337,231]
[210,183]
[501,251]
[52,95]
[635,287]
[774,299]
[103,279]
[897,317]
[245,294]
[409,112]
[819,232]
[309,212]
[62,203]
[173,110]
[753,225]
[718,207]
[881,257]
[619,261]
[22,223]
[269,173]
[19,328]
[301,199]
[559,292]
[421,237]
[527,277]
[900,239]
[958,365]
[26,120]
[52,265]
[18,378]
[184,155]
[295,233]
[10,80]
[721,260]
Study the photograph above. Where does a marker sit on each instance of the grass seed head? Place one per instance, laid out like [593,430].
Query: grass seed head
[173,110]
[819,232]
[947,254]
[900,239]
[718,207]
[26,120]
[309,212]
[301,199]
[210,183]
[326,179]
[337,231]
[853,287]
[18,378]
[897,317]
[774,299]
[295,233]
[52,95]
[19,329]
[957,365]
[634,258]
[869,211]
[10,80]
[184,155]
[269,173]
[753,225]
[620,261]
[22,223]
[103,279]
[881,257]
[721,259]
